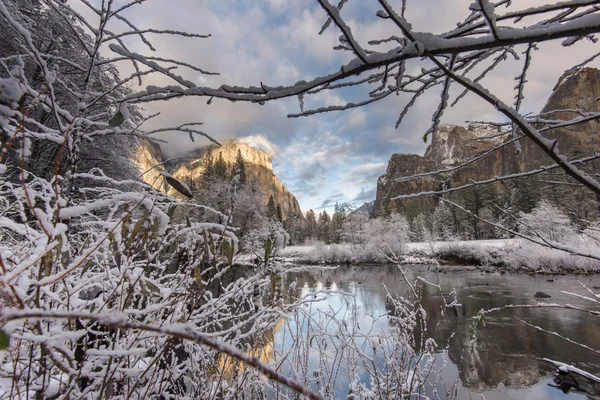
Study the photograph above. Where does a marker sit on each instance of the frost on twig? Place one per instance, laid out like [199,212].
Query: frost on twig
[106,281]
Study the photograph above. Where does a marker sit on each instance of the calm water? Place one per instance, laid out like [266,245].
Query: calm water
[505,362]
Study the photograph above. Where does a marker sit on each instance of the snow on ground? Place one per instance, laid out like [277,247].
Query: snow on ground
[431,247]
[412,249]
[512,254]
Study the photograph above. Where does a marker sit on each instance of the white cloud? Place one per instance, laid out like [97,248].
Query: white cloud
[261,143]
[276,42]
[369,168]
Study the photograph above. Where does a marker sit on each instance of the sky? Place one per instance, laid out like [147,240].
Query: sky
[325,158]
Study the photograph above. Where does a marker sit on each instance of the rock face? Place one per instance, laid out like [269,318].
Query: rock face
[450,145]
[259,169]
[366,209]
[453,145]
[144,157]
[147,157]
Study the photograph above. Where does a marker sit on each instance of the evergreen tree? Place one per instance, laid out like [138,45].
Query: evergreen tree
[290,224]
[310,230]
[279,213]
[337,222]
[478,200]
[208,171]
[443,222]
[271,209]
[239,167]
[484,230]
[524,194]
[220,167]
[324,227]
[421,228]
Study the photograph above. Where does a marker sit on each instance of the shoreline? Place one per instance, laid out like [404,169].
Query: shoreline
[502,255]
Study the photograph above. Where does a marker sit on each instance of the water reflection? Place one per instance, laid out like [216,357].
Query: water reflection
[503,363]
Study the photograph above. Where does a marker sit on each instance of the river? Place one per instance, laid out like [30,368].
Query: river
[505,361]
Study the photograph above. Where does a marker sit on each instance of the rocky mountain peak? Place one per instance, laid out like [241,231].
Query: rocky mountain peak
[366,209]
[578,89]
[259,169]
[452,145]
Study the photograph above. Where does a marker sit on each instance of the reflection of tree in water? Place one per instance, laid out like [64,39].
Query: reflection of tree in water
[506,351]
[260,345]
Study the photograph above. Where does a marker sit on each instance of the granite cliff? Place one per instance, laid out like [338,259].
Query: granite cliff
[147,157]
[453,145]
[133,158]
[259,169]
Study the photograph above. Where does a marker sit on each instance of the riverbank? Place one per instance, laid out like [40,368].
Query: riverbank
[515,255]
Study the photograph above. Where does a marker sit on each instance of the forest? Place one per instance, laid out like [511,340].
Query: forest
[121,280]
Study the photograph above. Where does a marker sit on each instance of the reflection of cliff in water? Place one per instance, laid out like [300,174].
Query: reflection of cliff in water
[262,348]
[506,352]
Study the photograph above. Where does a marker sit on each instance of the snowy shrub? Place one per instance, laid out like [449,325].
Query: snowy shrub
[525,255]
[365,241]
[353,229]
[548,222]
[10,93]
[389,235]
[268,231]
[104,294]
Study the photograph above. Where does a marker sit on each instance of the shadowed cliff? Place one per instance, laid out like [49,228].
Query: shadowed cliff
[453,145]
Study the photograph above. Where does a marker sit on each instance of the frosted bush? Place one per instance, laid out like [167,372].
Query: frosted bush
[549,222]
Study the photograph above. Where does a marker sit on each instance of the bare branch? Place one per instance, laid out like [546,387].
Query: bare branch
[334,14]
[492,180]
[328,22]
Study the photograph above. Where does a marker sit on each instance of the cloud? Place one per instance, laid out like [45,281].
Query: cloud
[311,171]
[261,143]
[364,196]
[276,42]
[331,200]
[369,168]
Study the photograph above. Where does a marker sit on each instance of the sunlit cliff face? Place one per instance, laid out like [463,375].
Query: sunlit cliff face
[147,158]
[259,168]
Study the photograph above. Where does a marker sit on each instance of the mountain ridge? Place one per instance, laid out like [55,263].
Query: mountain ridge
[452,145]
[188,169]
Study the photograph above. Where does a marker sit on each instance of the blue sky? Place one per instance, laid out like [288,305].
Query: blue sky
[330,157]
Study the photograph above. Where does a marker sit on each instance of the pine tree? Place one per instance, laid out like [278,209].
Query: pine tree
[443,222]
[324,227]
[524,194]
[421,230]
[271,209]
[476,200]
[310,230]
[337,222]
[220,167]
[239,167]
[290,224]
[279,213]
[208,170]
